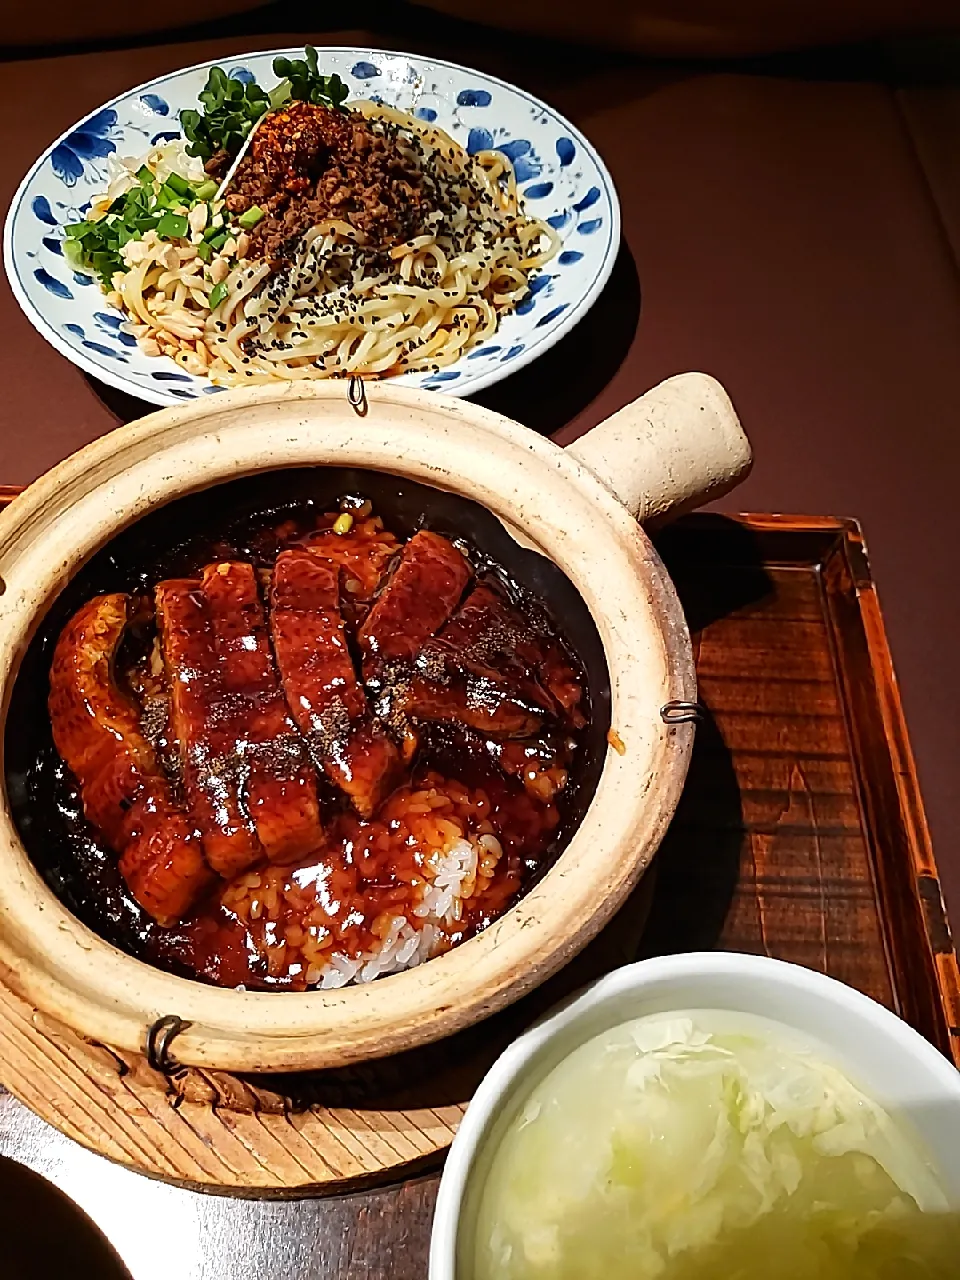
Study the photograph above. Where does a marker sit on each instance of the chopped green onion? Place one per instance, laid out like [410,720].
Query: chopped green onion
[206,190]
[80,230]
[217,295]
[219,240]
[251,217]
[145,175]
[179,185]
[172,226]
[105,263]
[168,199]
[204,252]
[73,252]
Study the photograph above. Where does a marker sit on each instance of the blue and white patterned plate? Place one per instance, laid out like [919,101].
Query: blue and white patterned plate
[562,179]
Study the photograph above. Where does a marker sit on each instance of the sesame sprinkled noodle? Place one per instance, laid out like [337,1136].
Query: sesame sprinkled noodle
[341,306]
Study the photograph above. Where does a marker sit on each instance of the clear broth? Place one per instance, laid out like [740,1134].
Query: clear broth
[607,1170]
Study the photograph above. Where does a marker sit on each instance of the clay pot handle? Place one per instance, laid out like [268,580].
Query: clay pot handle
[675,448]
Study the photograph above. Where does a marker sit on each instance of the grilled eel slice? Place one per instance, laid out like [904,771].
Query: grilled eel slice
[323,693]
[96,729]
[418,599]
[202,722]
[490,669]
[280,783]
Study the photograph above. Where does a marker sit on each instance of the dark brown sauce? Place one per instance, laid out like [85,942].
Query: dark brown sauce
[256,932]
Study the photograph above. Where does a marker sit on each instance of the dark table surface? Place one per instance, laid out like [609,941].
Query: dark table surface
[796,235]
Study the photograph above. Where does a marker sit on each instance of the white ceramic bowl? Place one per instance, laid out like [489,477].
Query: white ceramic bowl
[889,1060]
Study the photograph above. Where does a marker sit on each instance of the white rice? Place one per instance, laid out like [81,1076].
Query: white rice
[409,943]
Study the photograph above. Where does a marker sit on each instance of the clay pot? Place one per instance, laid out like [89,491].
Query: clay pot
[678,446]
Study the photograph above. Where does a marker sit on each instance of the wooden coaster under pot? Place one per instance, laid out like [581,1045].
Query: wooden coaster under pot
[286,1134]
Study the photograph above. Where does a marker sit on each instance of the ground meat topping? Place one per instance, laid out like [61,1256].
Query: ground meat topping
[309,163]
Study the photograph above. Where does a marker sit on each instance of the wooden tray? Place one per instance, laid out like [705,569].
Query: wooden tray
[800,834]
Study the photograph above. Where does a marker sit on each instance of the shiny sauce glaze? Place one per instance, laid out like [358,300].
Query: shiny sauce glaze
[356,702]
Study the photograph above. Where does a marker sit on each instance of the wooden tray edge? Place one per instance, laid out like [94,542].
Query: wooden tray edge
[926,876]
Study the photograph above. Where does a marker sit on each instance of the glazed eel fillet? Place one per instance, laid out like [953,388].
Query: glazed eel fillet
[416,601]
[246,785]
[491,670]
[96,730]
[419,598]
[362,553]
[281,787]
[202,723]
[467,672]
[452,675]
[320,683]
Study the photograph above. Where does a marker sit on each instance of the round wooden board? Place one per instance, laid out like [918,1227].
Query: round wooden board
[308,1133]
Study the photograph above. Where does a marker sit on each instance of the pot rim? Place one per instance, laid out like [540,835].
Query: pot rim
[533,486]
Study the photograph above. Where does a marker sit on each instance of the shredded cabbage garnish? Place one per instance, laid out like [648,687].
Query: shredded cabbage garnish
[683,1146]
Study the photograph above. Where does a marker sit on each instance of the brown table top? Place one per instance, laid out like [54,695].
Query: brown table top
[798,239]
